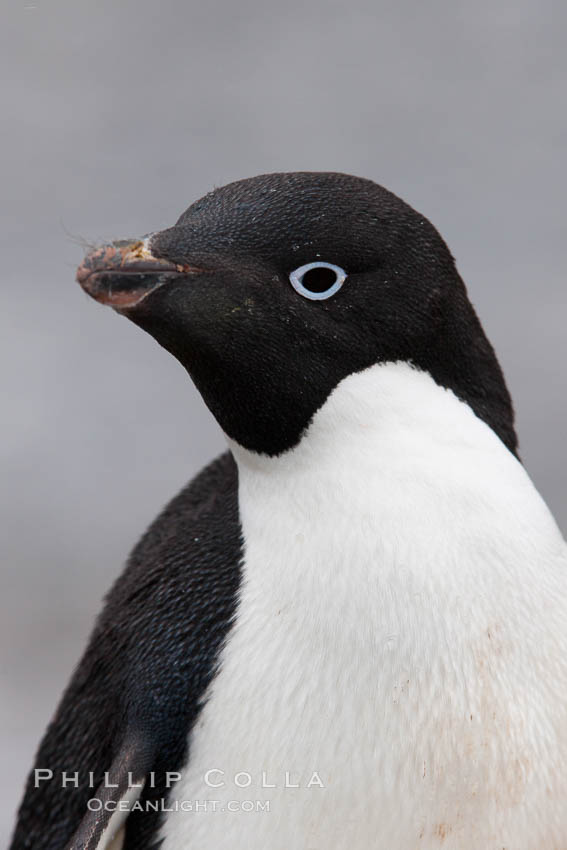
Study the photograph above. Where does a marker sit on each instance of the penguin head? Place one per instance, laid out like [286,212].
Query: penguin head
[273,289]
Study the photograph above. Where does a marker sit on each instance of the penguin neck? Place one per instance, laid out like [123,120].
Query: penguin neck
[388,413]
[391,459]
[463,359]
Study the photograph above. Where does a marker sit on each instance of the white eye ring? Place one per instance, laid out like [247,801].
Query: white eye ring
[296,278]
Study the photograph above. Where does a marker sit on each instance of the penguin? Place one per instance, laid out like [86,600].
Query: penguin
[349,630]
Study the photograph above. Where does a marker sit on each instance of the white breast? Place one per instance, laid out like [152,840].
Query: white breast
[401,639]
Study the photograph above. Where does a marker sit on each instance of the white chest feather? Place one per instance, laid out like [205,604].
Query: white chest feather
[401,640]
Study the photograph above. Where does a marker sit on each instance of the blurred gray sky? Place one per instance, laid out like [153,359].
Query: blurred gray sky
[116,115]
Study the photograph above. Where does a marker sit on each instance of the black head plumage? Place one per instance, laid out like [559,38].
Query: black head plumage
[265,358]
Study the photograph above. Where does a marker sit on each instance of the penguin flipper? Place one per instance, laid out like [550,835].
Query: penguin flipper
[138,688]
[101,827]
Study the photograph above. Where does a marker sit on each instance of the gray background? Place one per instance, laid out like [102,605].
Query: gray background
[116,115]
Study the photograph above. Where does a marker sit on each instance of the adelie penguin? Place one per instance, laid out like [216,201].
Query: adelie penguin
[350,630]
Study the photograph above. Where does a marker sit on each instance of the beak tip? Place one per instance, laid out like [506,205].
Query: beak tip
[82,274]
[98,259]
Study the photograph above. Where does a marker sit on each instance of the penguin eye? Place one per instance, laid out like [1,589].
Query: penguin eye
[317,281]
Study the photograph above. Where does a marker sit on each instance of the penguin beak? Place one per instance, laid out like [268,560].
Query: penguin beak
[123,273]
